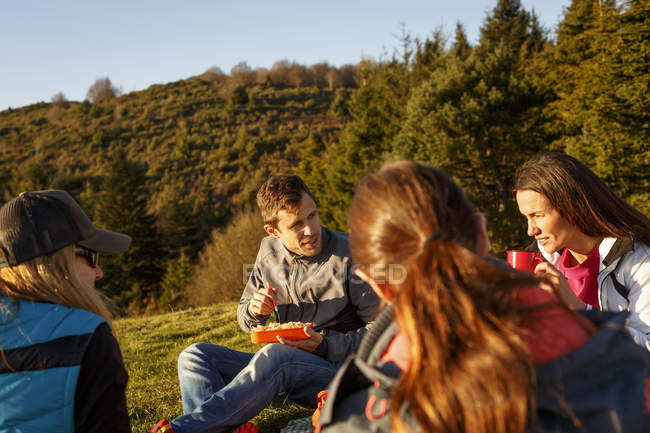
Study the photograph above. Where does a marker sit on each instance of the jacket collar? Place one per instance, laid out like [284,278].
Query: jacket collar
[369,344]
[611,249]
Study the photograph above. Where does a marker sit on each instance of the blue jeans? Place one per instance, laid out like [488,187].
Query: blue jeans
[224,388]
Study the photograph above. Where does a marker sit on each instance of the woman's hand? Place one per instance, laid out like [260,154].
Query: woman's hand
[560,284]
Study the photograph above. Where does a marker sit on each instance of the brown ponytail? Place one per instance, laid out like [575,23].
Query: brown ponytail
[470,370]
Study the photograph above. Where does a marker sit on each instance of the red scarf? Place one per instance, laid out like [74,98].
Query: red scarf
[583,277]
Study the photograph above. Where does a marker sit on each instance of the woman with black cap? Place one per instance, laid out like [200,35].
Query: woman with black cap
[61,369]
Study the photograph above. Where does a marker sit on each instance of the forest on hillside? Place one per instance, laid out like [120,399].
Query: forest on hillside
[177,165]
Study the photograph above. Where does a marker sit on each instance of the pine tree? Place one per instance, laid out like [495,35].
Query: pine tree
[615,132]
[377,108]
[508,25]
[122,207]
[601,82]
[480,117]
[311,169]
[179,220]
[174,283]
[428,56]
[566,66]
[461,47]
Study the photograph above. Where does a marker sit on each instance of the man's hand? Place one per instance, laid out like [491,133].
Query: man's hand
[560,283]
[264,301]
[308,345]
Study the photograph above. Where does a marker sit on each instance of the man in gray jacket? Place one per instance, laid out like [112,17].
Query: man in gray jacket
[302,273]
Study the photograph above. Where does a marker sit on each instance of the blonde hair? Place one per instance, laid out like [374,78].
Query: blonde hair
[53,278]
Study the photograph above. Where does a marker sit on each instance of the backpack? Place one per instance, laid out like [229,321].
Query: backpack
[358,398]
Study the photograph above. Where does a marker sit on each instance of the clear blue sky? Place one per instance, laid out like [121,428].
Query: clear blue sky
[65,45]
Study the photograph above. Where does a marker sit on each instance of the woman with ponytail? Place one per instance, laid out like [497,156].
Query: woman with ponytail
[466,344]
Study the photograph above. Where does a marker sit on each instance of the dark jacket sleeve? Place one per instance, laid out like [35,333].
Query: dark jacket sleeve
[366,304]
[100,399]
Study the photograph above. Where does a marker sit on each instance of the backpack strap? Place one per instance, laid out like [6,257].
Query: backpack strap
[620,288]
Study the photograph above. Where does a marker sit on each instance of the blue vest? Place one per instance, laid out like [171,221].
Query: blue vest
[43,345]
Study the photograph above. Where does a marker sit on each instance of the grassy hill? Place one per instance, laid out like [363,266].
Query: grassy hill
[150,347]
[167,165]
[203,138]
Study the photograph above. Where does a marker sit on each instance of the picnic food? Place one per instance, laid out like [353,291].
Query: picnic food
[275,325]
[289,331]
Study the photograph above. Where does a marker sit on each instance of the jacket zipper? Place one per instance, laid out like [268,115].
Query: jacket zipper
[315,301]
[292,285]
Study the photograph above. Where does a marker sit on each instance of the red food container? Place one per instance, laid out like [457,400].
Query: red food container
[298,333]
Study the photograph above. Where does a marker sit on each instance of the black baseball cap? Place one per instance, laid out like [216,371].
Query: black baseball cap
[41,222]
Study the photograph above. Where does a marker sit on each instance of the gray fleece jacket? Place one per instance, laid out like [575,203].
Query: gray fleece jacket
[320,289]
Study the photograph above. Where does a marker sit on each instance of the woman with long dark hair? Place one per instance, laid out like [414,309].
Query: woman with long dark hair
[467,344]
[596,245]
[61,369]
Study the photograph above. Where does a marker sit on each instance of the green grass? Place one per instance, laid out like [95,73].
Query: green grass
[150,347]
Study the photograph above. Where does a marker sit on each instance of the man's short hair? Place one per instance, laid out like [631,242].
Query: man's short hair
[280,192]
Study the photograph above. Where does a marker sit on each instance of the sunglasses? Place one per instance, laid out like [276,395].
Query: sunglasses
[92,257]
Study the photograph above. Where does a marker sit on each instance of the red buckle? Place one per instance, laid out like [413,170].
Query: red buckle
[162,427]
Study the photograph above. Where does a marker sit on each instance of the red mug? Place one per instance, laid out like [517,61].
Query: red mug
[524,260]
